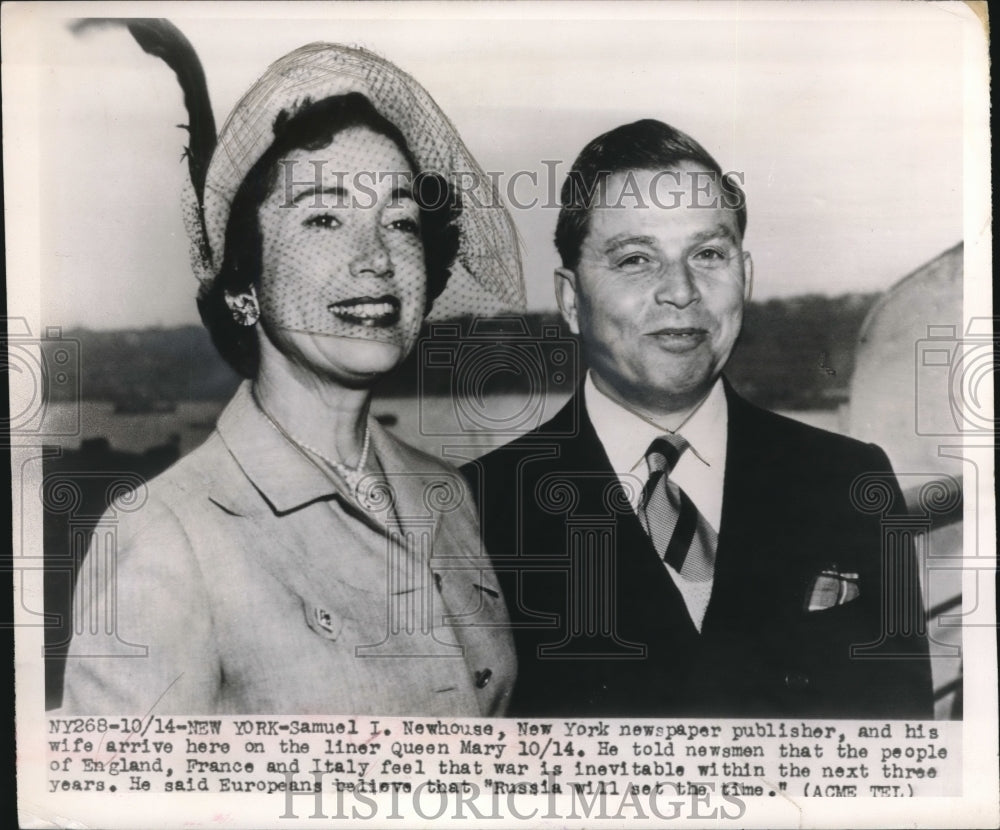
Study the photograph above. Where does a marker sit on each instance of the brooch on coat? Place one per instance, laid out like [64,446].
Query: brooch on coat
[323,622]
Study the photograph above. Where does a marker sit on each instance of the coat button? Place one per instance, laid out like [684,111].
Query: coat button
[796,681]
[483,678]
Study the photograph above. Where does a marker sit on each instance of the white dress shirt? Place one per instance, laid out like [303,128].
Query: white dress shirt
[700,472]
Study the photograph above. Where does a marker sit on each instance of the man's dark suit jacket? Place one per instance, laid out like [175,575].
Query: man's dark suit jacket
[601,630]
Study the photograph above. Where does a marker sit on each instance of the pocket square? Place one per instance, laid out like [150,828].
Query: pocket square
[832,588]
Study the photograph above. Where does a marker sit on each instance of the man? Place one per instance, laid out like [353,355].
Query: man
[665,547]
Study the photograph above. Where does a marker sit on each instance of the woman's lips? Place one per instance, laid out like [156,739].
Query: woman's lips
[373,312]
[678,338]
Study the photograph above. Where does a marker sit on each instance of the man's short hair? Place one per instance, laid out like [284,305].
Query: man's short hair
[643,145]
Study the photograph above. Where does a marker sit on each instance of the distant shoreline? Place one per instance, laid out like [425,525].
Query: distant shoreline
[429,426]
[794,353]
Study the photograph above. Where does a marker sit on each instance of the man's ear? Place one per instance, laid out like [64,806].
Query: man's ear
[747,276]
[565,280]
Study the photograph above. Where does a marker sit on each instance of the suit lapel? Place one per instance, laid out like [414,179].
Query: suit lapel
[650,609]
[757,507]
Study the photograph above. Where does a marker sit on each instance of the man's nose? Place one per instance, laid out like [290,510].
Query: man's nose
[372,257]
[677,285]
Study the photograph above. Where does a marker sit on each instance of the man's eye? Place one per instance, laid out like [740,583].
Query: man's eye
[323,220]
[710,255]
[633,260]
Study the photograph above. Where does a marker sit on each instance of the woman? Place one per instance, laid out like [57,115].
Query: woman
[302,560]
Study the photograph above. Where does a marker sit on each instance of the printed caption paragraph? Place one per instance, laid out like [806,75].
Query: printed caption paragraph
[360,767]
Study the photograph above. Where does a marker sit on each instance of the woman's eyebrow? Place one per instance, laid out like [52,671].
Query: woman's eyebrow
[318,192]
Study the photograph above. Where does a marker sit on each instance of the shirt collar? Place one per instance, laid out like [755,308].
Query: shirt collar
[276,467]
[626,436]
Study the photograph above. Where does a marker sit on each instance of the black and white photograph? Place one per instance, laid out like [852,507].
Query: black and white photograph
[547,414]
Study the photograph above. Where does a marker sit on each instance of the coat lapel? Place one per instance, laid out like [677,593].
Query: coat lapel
[650,610]
[285,482]
[757,507]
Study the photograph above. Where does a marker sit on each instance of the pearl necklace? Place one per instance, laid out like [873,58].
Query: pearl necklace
[351,476]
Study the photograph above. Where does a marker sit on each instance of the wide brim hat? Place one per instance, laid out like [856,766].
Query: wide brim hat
[486,277]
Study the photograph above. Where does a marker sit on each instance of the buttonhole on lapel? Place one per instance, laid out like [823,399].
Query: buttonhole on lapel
[445,689]
[490,591]
[223,507]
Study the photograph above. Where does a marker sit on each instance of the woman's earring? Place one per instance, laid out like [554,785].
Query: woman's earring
[244,307]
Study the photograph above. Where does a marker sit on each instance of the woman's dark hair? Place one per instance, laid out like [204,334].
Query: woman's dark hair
[642,145]
[314,127]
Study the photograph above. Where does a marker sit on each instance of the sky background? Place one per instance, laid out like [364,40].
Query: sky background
[845,119]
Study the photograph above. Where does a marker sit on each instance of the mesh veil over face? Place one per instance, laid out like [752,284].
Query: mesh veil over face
[344,258]
[486,276]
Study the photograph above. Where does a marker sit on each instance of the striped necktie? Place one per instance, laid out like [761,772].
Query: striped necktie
[680,535]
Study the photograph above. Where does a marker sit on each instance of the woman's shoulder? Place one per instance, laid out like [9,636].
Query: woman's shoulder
[171,497]
[397,455]
[420,468]
[206,464]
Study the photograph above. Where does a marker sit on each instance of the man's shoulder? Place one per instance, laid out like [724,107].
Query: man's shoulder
[790,438]
[562,445]
[779,458]
[553,438]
